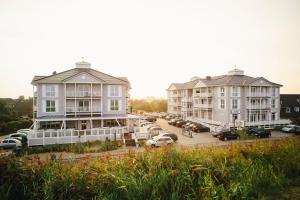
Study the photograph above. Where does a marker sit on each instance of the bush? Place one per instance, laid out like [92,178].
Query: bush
[13,126]
[260,170]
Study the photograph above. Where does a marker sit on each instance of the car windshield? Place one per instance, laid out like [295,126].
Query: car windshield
[290,126]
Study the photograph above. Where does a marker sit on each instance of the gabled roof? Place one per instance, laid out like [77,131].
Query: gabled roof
[223,80]
[183,86]
[60,77]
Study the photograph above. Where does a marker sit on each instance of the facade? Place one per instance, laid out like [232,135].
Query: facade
[80,98]
[230,100]
[290,106]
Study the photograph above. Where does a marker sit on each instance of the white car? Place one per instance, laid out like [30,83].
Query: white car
[289,128]
[159,141]
[10,143]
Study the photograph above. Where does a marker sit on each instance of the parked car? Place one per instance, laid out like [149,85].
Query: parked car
[180,123]
[199,128]
[10,143]
[228,135]
[171,135]
[297,130]
[289,129]
[172,121]
[26,131]
[159,141]
[262,133]
[251,130]
[20,136]
[145,124]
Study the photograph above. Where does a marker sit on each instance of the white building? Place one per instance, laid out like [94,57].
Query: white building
[227,100]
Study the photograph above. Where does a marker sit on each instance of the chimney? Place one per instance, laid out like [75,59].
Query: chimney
[208,78]
[53,73]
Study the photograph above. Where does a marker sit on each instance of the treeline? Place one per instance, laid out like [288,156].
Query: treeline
[155,105]
[15,114]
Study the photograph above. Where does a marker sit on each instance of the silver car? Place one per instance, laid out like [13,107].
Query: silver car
[10,143]
[159,141]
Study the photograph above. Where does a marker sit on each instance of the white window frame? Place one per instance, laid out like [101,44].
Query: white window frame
[50,108]
[273,103]
[114,90]
[222,91]
[222,106]
[235,105]
[296,109]
[235,91]
[50,91]
[83,90]
[85,104]
[114,105]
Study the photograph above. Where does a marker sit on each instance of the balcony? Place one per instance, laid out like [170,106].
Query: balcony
[203,95]
[258,106]
[83,109]
[259,94]
[187,99]
[204,106]
[82,94]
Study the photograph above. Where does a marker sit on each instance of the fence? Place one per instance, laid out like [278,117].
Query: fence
[68,136]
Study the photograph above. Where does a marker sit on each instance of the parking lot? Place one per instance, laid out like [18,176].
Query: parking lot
[203,137]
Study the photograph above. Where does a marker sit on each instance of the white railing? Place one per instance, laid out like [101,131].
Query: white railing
[83,109]
[203,95]
[83,94]
[70,94]
[259,94]
[69,136]
[199,105]
[96,94]
[257,106]
[268,122]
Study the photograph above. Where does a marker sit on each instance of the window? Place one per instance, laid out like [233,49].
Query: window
[175,92]
[273,103]
[287,109]
[222,104]
[273,116]
[273,91]
[50,106]
[296,109]
[234,103]
[222,92]
[114,91]
[83,106]
[50,90]
[114,105]
[83,90]
[235,91]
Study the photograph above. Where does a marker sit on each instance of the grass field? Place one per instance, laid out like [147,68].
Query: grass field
[260,170]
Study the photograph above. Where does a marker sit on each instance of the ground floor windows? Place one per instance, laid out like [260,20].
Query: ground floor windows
[50,125]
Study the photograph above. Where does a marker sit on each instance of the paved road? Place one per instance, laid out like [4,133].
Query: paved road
[203,138]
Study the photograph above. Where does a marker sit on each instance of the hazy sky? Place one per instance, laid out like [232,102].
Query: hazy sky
[152,42]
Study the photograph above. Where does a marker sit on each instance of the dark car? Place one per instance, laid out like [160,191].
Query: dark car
[180,123]
[174,121]
[297,130]
[262,133]
[251,130]
[199,128]
[228,135]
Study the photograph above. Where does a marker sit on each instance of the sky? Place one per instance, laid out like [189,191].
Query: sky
[153,43]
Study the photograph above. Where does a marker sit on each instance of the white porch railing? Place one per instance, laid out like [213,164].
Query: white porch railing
[69,136]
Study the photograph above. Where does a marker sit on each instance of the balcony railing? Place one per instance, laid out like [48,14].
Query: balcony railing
[203,95]
[259,94]
[83,94]
[258,106]
[83,109]
[199,105]
[187,99]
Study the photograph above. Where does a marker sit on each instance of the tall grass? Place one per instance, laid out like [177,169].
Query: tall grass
[263,169]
